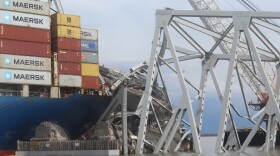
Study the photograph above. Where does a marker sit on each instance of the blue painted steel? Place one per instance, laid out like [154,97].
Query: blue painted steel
[19,116]
[88,45]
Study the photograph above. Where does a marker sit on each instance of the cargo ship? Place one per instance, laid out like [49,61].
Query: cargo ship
[53,91]
[49,71]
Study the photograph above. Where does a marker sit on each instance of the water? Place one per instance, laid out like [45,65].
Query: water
[208,149]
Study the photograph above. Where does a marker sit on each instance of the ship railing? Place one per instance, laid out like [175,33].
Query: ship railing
[38,94]
[10,93]
[67,145]
[19,93]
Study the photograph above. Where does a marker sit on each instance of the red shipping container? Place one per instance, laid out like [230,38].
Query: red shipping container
[24,33]
[69,68]
[69,56]
[90,82]
[7,153]
[66,44]
[25,48]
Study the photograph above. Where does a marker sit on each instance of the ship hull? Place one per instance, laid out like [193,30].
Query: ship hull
[19,116]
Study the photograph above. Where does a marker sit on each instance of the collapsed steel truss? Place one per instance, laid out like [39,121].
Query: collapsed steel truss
[242,22]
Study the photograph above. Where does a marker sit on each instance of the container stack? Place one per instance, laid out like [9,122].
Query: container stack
[66,48]
[25,54]
[89,59]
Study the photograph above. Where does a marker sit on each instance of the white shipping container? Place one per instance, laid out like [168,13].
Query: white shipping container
[70,81]
[25,62]
[89,34]
[25,77]
[28,6]
[25,20]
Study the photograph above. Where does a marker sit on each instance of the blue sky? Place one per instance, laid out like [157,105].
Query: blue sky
[126,26]
[126,31]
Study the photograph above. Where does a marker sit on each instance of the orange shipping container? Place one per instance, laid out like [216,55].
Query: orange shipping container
[66,44]
[25,48]
[69,68]
[69,56]
[24,33]
[90,82]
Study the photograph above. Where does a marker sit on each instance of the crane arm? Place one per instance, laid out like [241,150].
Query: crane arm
[58,5]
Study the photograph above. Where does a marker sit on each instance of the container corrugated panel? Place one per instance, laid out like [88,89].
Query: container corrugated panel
[89,57]
[69,68]
[66,44]
[90,82]
[90,69]
[25,48]
[24,20]
[70,81]
[25,62]
[69,56]
[66,20]
[88,45]
[24,34]
[67,32]
[34,7]
[89,34]
[25,77]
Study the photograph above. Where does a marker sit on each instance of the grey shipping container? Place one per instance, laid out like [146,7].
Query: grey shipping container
[25,62]
[89,34]
[89,57]
[24,19]
[28,6]
[25,77]
[70,81]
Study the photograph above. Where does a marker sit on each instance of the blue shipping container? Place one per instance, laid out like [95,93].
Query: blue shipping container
[88,45]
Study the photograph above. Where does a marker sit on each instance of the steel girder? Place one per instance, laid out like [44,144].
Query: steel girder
[243,22]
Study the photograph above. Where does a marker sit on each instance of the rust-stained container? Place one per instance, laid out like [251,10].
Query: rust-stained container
[69,56]
[66,20]
[25,48]
[25,62]
[69,68]
[67,32]
[90,82]
[24,33]
[34,7]
[70,81]
[90,69]
[89,57]
[89,34]
[66,44]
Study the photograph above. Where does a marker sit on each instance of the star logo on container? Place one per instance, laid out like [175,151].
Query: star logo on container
[8,75]
[6,17]
[7,60]
[7,3]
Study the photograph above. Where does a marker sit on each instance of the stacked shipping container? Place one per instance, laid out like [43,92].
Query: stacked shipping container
[89,59]
[25,54]
[28,58]
[66,48]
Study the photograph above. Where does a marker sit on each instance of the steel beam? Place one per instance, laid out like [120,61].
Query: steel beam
[272,107]
[227,93]
[221,14]
[201,99]
[216,35]
[188,105]
[147,99]
[124,122]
